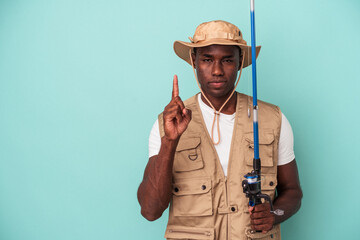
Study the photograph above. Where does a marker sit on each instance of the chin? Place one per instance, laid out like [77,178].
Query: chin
[219,93]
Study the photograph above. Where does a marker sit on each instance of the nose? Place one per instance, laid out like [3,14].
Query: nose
[217,69]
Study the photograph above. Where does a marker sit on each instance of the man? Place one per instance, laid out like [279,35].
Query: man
[201,148]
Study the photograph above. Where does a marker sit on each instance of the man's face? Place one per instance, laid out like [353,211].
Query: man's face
[217,67]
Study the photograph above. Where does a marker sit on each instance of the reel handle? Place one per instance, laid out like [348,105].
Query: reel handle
[277,212]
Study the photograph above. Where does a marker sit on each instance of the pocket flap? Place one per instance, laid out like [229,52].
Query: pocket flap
[191,186]
[265,137]
[180,232]
[274,233]
[269,182]
[266,148]
[265,161]
[188,143]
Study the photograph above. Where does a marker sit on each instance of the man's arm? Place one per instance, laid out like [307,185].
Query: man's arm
[289,191]
[288,199]
[154,192]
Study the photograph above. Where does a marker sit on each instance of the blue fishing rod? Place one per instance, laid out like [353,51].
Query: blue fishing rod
[252,183]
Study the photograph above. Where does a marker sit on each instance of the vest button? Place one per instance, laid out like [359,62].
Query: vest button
[271,183]
[233,209]
[203,187]
[176,189]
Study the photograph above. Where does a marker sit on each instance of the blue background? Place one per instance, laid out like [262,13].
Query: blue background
[82,82]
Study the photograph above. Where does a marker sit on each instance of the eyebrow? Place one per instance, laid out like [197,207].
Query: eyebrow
[210,56]
[229,56]
[207,55]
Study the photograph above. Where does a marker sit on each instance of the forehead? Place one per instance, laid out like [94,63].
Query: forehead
[218,50]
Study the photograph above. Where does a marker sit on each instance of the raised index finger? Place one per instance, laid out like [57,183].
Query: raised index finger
[175,91]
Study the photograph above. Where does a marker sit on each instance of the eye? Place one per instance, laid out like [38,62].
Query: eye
[207,60]
[228,60]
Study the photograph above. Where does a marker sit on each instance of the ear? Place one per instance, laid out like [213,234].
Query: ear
[240,60]
[193,56]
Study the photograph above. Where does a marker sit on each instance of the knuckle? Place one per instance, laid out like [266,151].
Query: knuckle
[172,108]
[178,100]
[169,105]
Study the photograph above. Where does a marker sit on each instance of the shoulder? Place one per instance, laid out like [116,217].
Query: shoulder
[269,107]
[191,102]
[269,115]
[264,107]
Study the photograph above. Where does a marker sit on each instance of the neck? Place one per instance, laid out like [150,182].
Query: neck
[217,102]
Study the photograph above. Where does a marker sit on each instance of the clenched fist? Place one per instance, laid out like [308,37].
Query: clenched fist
[176,116]
[261,217]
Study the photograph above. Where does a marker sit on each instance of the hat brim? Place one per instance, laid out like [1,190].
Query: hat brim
[182,49]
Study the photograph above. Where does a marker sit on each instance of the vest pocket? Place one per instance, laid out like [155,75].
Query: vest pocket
[268,184]
[188,155]
[266,148]
[179,232]
[192,197]
[273,234]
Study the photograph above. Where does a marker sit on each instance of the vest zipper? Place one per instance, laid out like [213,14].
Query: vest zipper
[206,233]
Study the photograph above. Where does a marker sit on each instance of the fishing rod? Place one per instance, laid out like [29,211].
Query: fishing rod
[252,182]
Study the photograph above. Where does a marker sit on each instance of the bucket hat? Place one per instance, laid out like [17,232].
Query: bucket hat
[215,32]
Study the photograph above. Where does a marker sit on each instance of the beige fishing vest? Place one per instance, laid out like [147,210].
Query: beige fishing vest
[206,204]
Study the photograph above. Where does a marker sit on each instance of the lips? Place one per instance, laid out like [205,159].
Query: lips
[217,84]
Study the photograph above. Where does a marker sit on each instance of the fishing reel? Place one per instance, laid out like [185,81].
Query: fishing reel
[252,188]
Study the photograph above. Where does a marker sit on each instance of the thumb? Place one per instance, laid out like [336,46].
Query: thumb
[251,208]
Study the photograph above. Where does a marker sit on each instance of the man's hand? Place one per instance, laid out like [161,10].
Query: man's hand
[261,217]
[176,116]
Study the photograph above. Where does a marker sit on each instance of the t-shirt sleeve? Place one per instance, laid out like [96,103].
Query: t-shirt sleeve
[154,140]
[286,142]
